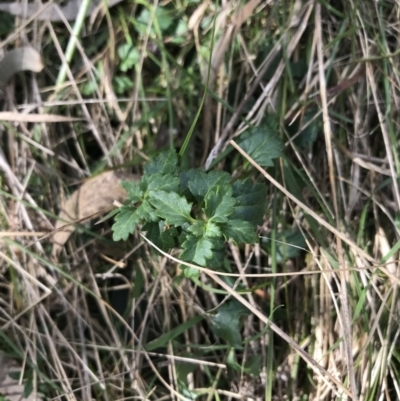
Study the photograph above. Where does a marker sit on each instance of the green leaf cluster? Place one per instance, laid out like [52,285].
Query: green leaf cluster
[226,323]
[194,210]
[128,56]
[262,144]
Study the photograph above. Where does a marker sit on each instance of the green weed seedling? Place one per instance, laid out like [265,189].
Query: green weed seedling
[194,210]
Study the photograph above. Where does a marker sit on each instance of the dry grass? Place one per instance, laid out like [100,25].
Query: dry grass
[118,321]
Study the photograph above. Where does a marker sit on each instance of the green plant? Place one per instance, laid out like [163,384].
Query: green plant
[194,210]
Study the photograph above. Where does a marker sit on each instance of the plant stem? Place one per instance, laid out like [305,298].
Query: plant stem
[69,53]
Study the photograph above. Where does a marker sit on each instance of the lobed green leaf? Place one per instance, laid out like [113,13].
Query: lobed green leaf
[262,144]
[133,189]
[164,163]
[201,183]
[160,234]
[161,182]
[162,14]
[226,323]
[125,223]
[239,231]
[145,211]
[219,203]
[198,228]
[251,202]
[128,55]
[197,250]
[186,177]
[171,207]
[212,230]
[207,229]
[191,272]
[203,251]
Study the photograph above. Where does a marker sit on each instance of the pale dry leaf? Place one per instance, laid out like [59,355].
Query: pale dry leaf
[195,18]
[35,118]
[385,248]
[17,60]
[241,15]
[95,195]
[9,387]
